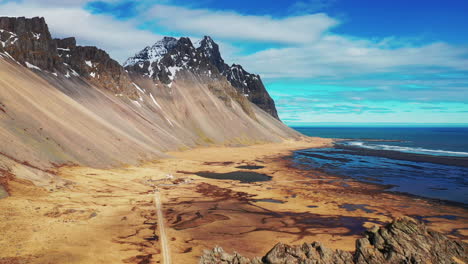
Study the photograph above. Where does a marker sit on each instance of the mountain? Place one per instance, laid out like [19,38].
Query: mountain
[168,55]
[61,103]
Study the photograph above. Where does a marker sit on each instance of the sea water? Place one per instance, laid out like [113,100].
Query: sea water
[422,161]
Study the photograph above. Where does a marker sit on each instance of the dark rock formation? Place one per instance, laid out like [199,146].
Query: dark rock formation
[250,85]
[28,41]
[218,256]
[66,43]
[97,66]
[282,253]
[402,241]
[168,56]
[406,241]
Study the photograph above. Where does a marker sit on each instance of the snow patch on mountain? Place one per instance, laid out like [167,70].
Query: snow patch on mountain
[138,88]
[152,54]
[31,66]
[165,58]
[173,70]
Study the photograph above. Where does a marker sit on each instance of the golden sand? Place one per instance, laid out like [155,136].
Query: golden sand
[109,216]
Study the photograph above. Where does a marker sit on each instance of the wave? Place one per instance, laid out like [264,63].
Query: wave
[415,150]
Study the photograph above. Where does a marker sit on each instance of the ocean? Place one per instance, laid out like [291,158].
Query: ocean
[421,161]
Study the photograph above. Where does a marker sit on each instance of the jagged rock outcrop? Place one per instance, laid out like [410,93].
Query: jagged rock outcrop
[406,241]
[305,253]
[97,66]
[218,256]
[251,86]
[402,241]
[168,56]
[29,42]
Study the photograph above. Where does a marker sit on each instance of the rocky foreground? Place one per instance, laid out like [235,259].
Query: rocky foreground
[402,241]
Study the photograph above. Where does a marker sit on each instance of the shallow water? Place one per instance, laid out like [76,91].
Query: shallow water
[250,167]
[354,207]
[269,201]
[427,162]
[424,218]
[242,176]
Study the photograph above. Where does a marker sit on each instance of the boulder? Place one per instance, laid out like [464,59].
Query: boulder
[403,241]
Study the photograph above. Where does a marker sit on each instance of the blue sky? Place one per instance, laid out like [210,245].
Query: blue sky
[323,61]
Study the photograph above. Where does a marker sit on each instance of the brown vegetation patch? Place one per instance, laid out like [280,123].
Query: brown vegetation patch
[222,193]
[197,220]
[14,260]
[71,214]
[140,259]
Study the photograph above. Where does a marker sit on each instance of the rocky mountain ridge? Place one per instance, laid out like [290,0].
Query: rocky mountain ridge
[97,66]
[402,241]
[29,42]
[62,103]
[166,57]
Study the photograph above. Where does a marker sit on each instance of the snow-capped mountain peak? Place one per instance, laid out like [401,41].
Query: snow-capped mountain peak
[152,53]
[169,56]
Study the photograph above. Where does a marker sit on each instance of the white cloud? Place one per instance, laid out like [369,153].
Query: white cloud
[62,3]
[309,49]
[338,56]
[120,39]
[234,26]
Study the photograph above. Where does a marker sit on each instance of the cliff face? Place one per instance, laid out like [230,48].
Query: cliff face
[96,66]
[29,42]
[62,103]
[169,55]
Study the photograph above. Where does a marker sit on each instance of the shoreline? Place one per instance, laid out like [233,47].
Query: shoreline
[384,187]
[397,155]
[108,215]
[342,155]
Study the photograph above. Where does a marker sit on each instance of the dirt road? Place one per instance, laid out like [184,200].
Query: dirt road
[165,251]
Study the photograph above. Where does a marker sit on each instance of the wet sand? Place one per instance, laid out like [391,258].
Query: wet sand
[109,216]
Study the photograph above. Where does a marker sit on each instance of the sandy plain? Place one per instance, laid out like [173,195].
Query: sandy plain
[109,216]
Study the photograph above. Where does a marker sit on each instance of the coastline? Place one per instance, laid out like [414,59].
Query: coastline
[382,186]
[443,160]
[108,215]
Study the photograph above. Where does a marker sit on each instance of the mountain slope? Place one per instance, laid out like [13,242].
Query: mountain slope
[168,55]
[85,109]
